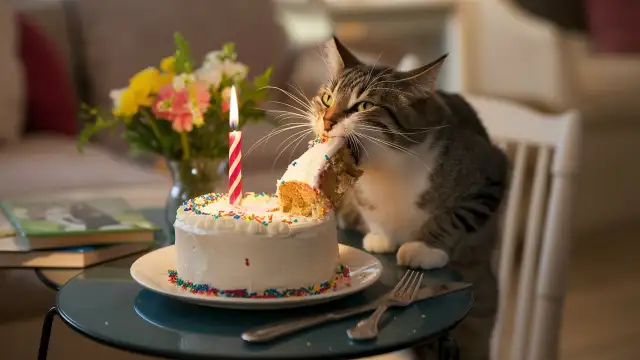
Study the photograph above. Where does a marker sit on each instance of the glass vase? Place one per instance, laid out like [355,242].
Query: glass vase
[191,178]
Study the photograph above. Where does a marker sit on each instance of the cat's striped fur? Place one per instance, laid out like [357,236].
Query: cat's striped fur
[433,182]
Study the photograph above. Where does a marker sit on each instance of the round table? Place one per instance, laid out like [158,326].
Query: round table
[105,304]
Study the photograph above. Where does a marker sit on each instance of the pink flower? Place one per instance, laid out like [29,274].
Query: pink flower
[226,95]
[184,107]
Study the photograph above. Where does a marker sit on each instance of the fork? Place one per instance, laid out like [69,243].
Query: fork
[402,295]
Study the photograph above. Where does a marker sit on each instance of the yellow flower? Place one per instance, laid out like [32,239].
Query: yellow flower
[161,80]
[168,64]
[143,82]
[147,83]
[128,105]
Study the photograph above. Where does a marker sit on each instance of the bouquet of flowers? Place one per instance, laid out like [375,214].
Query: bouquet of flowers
[180,111]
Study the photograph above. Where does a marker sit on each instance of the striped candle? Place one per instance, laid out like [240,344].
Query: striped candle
[235,152]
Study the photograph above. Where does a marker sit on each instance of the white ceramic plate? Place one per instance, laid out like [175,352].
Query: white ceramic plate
[150,271]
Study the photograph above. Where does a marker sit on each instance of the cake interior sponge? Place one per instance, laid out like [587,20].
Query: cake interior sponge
[318,180]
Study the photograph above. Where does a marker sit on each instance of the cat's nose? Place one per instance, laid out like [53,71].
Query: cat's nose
[330,118]
[328,123]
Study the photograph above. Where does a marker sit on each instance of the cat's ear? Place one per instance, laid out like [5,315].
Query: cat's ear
[339,57]
[427,75]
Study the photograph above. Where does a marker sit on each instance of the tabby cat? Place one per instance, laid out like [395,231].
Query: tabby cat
[432,183]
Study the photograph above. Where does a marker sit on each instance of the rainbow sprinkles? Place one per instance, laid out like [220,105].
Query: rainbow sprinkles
[342,278]
[264,214]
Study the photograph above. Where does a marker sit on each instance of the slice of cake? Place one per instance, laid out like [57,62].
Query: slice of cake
[318,180]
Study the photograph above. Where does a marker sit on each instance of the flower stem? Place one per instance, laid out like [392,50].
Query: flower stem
[154,128]
[184,141]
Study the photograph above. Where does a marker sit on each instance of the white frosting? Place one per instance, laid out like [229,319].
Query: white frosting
[308,167]
[288,252]
[212,214]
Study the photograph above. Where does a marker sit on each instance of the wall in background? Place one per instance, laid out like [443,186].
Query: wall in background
[511,55]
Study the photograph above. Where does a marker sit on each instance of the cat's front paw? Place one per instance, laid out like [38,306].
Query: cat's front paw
[377,243]
[417,254]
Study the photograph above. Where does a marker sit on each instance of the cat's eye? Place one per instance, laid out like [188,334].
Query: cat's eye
[327,99]
[364,106]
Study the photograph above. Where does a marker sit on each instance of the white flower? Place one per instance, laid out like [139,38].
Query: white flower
[181,81]
[213,70]
[115,96]
[212,58]
[235,70]
[211,75]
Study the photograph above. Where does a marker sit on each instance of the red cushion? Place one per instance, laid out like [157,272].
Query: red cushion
[51,100]
[614,26]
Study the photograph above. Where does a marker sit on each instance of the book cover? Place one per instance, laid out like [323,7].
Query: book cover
[43,218]
[74,257]
[6,229]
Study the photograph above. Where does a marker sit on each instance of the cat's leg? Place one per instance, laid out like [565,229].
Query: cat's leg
[417,254]
[378,240]
[443,232]
[375,242]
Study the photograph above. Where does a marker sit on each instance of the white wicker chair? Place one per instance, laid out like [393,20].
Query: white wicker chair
[554,141]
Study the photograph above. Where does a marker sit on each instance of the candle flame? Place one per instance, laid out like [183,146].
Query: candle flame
[233,109]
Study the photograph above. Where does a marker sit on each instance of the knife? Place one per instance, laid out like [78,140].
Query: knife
[273,331]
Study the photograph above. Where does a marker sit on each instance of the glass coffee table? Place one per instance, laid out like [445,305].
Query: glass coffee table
[105,304]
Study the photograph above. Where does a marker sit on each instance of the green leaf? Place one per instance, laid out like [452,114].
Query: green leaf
[95,125]
[229,51]
[262,80]
[183,62]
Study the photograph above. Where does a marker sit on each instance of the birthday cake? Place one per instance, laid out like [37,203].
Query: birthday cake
[271,245]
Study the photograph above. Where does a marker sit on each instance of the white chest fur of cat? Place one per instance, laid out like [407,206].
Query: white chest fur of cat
[389,193]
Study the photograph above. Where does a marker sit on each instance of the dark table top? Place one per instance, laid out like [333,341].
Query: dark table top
[105,304]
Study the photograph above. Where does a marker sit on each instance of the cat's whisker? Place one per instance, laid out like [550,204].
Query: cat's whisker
[280,111]
[410,77]
[390,130]
[390,89]
[285,141]
[297,88]
[370,72]
[288,145]
[379,76]
[273,133]
[287,116]
[396,132]
[324,59]
[301,111]
[296,146]
[350,143]
[422,130]
[358,144]
[386,131]
[382,143]
[300,100]
[304,104]
[390,144]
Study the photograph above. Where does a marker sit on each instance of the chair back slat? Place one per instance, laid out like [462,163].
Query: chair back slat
[509,232]
[528,267]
